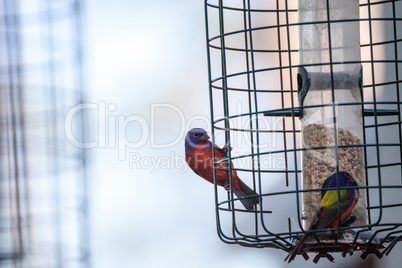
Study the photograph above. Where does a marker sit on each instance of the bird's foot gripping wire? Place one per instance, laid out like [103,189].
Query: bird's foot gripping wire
[227,187]
[226,149]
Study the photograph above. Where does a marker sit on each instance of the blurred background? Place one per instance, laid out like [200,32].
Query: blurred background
[96,97]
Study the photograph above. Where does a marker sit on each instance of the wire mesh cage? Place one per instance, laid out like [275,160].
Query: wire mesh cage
[43,200]
[302,90]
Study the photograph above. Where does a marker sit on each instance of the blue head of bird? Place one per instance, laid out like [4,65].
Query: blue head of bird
[345,179]
[195,137]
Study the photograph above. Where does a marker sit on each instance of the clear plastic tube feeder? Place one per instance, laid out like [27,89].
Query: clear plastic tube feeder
[330,97]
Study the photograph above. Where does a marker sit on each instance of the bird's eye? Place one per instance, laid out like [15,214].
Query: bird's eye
[196,135]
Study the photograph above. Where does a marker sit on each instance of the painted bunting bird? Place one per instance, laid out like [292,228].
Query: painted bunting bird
[327,215]
[199,157]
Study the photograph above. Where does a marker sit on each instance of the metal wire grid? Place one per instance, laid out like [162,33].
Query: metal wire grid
[253,60]
[44,200]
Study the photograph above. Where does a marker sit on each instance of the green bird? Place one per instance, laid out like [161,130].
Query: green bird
[327,215]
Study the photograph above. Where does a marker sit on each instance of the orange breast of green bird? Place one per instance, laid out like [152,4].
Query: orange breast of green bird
[344,215]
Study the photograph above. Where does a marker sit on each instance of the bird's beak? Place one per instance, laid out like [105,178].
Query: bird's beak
[205,137]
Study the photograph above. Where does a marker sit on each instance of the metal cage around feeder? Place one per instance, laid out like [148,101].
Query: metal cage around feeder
[301,91]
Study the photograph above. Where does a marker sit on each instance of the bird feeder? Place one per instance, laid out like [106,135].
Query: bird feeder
[331,96]
[313,86]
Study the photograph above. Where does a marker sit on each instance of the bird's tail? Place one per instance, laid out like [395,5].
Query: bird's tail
[295,249]
[248,202]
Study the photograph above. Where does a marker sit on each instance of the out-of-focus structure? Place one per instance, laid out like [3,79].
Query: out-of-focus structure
[43,182]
